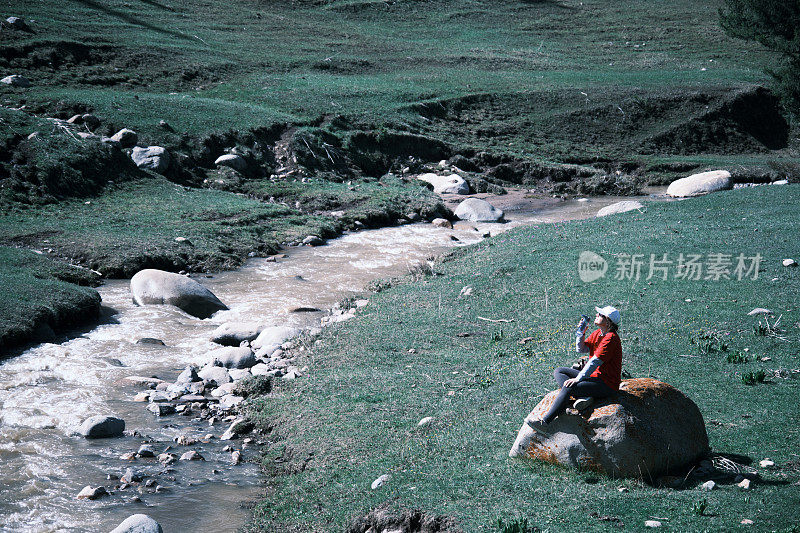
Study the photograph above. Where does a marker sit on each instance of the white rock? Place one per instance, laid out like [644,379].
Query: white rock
[126,138]
[138,523]
[476,210]
[766,463]
[238,373]
[789,263]
[15,80]
[260,369]
[192,455]
[425,422]
[702,183]
[781,182]
[230,400]
[466,291]
[234,333]
[708,485]
[452,184]
[652,523]
[92,493]
[759,311]
[620,207]
[236,162]
[380,481]
[232,357]
[442,223]
[745,484]
[215,373]
[157,287]
[274,335]
[155,158]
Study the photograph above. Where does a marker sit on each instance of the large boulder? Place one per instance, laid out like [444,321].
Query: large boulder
[15,80]
[697,184]
[157,287]
[620,207]
[234,333]
[476,210]
[155,158]
[452,184]
[102,427]
[138,523]
[647,429]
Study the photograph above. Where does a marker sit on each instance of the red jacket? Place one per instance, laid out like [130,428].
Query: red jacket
[608,349]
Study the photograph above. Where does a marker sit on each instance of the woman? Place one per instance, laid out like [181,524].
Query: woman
[601,375]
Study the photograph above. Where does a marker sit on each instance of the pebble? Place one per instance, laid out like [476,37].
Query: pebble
[708,485]
[236,457]
[652,523]
[142,396]
[747,522]
[380,481]
[130,456]
[161,409]
[789,263]
[92,493]
[167,458]
[425,421]
[145,450]
[131,476]
[766,463]
[759,311]
[745,484]
[192,455]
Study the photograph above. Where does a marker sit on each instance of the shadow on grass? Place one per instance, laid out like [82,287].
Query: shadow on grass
[130,19]
[159,5]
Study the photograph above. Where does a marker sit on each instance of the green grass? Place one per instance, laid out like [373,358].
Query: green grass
[354,416]
[39,291]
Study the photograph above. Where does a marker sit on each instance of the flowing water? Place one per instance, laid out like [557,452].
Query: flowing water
[48,390]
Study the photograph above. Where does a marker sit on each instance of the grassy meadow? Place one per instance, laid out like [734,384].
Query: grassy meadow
[421,349]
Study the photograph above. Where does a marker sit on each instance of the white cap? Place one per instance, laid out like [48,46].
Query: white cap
[611,313]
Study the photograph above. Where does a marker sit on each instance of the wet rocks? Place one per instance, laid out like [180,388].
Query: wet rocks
[189,375]
[192,455]
[92,493]
[274,335]
[150,340]
[313,240]
[442,223]
[161,409]
[232,357]
[157,287]
[238,427]
[15,80]
[138,523]
[167,458]
[789,263]
[126,138]
[620,207]
[233,334]
[699,184]
[155,158]
[145,450]
[476,210]
[102,426]
[217,374]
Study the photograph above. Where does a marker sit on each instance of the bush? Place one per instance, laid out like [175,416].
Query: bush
[253,386]
[774,24]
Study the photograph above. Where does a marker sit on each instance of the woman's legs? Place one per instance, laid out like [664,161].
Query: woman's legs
[593,387]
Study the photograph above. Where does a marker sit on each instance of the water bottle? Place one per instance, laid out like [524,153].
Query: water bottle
[582,325]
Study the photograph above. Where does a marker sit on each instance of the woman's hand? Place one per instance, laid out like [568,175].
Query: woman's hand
[570,382]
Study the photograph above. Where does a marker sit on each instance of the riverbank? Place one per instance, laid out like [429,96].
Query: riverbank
[426,349]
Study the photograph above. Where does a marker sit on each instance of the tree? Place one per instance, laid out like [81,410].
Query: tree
[776,25]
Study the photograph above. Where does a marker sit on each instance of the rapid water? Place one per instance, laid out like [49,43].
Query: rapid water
[48,390]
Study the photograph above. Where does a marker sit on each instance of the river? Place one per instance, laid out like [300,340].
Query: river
[49,389]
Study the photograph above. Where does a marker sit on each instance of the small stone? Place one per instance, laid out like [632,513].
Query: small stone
[708,485]
[759,311]
[138,523]
[747,522]
[192,455]
[125,137]
[183,240]
[131,476]
[313,240]
[92,493]
[167,458]
[745,484]
[380,481]
[425,422]
[145,450]
[161,409]
[789,263]
[129,456]
[150,340]
[623,489]
[142,396]
[442,223]
[236,457]
[466,291]
[652,523]
[102,426]
[766,463]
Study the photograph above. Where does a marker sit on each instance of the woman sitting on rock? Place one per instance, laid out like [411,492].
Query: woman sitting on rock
[601,375]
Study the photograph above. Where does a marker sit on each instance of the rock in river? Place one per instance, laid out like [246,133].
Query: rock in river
[702,183]
[232,357]
[476,210]
[157,287]
[102,426]
[138,523]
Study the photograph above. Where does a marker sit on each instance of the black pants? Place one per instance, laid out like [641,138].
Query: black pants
[593,387]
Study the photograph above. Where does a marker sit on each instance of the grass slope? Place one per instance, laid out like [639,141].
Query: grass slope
[354,416]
